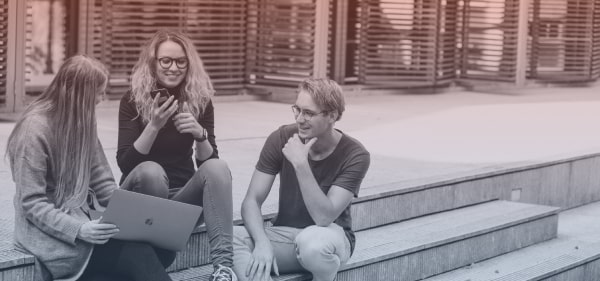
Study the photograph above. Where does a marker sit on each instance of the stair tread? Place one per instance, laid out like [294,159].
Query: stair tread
[577,243]
[376,244]
[532,263]
[10,257]
[433,230]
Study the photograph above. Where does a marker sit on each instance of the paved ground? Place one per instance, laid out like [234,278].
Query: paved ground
[409,136]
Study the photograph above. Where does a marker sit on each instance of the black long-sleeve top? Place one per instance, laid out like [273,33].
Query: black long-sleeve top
[171,149]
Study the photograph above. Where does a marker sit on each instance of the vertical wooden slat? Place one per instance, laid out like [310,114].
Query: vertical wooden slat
[447,40]
[339,30]
[85,27]
[4,46]
[595,67]
[321,39]
[522,36]
[15,89]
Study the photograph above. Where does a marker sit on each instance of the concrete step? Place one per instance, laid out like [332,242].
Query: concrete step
[573,256]
[15,265]
[556,260]
[390,206]
[433,244]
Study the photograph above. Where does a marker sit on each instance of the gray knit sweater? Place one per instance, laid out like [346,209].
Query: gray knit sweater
[42,229]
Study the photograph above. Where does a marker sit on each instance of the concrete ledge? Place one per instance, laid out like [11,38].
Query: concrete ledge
[15,265]
[556,261]
[430,245]
[564,181]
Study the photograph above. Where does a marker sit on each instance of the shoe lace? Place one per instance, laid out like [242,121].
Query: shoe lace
[223,273]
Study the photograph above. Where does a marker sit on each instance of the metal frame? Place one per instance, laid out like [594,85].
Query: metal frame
[522,35]
[321,38]
[15,76]
[339,30]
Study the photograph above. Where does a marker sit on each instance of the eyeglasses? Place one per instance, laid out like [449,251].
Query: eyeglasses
[306,114]
[166,62]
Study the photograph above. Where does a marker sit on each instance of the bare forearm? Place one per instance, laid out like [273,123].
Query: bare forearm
[253,221]
[203,150]
[319,206]
[144,142]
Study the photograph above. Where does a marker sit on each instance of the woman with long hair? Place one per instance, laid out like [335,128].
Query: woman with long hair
[61,172]
[167,113]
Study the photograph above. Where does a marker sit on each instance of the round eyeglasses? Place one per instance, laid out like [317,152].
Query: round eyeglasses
[306,114]
[166,62]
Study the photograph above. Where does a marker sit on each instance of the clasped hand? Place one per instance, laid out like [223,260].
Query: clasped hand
[185,122]
[296,151]
[96,232]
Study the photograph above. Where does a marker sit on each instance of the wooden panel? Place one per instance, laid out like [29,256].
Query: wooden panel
[489,39]
[563,38]
[217,29]
[3,51]
[596,41]
[409,40]
[281,41]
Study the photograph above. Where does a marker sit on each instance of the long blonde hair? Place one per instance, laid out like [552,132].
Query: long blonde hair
[69,105]
[197,89]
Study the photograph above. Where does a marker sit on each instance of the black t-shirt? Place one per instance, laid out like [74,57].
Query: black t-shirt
[345,167]
[171,149]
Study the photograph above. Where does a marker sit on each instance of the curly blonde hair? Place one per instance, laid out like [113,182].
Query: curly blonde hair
[197,89]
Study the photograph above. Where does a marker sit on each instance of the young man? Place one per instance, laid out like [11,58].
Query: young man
[320,170]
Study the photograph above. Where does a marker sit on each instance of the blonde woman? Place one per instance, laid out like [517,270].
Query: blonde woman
[59,169]
[166,114]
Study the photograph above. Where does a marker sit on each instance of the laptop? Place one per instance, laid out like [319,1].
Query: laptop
[163,223]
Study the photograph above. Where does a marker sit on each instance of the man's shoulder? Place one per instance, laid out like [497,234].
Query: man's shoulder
[353,145]
[288,129]
[284,132]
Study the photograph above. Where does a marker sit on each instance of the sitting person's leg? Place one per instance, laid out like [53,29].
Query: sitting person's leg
[324,256]
[126,260]
[284,249]
[210,187]
[148,178]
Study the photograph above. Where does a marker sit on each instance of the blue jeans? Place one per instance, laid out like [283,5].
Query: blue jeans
[210,187]
[318,250]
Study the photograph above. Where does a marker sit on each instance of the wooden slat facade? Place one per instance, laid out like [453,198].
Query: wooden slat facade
[408,42]
[281,41]
[217,29]
[489,39]
[3,52]
[564,38]
[249,44]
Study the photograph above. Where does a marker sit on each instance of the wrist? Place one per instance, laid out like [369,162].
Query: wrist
[202,137]
[301,165]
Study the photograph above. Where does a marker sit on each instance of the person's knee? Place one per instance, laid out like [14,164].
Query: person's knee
[316,253]
[151,179]
[306,238]
[215,168]
[149,169]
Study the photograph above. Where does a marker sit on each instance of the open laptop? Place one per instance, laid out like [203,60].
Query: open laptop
[161,222]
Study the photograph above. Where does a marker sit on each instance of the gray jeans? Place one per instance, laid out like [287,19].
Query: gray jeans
[210,187]
[318,250]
